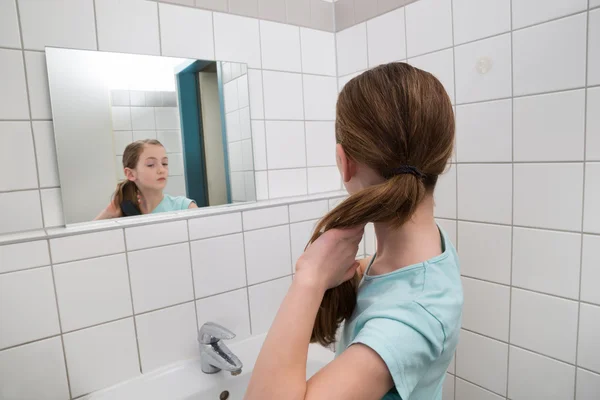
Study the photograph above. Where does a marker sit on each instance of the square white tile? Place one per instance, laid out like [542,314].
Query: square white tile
[238,186]
[283,95]
[101,356]
[141,135]
[166,118]
[536,377]
[556,120]
[441,65]
[301,233]
[265,217]
[590,273]
[351,49]
[219,264]
[45,365]
[167,336]
[25,211]
[468,391]
[137,98]
[87,245]
[543,189]
[482,361]
[592,143]
[243,95]
[156,235]
[591,218]
[320,96]
[287,183]
[229,310]
[320,143]
[588,346]
[386,38]
[121,118]
[43,134]
[37,82]
[268,254]
[237,39]
[245,124]
[52,207]
[160,277]
[593,66]
[308,210]
[232,99]
[265,300]
[69,24]
[588,385]
[445,194]
[9,25]
[14,257]
[250,185]
[121,140]
[475,19]
[17,149]
[484,132]
[27,307]
[485,192]
[324,179]
[478,242]
[529,12]
[259,145]
[114,18]
[142,118]
[171,140]
[255,87]
[529,313]
[318,52]
[493,55]
[486,308]
[232,125]
[550,57]
[285,144]
[215,225]
[13,97]
[178,25]
[547,261]
[280,46]
[176,164]
[428,26]
[120,98]
[92,292]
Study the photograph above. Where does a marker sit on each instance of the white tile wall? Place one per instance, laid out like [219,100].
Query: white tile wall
[320,143]
[16,149]
[264,302]
[87,245]
[160,277]
[280,46]
[320,96]
[485,251]
[475,19]
[13,97]
[43,136]
[285,144]
[486,308]
[590,273]
[15,257]
[386,38]
[323,179]
[588,385]
[448,388]
[468,391]
[37,82]
[441,65]
[216,225]
[237,39]
[529,12]
[428,26]
[485,192]
[230,310]
[52,207]
[588,346]
[533,376]
[267,254]
[445,194]
[283,95]
[318,52]
[594,48]
[591,220]
[156,235]
[352,50]
[307,211]
[25,211]
[300,234]
[9,24]
[178,25]
[592,144]
[286,183]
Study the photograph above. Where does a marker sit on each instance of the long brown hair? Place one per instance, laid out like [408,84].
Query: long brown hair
[126,189]
[389,117]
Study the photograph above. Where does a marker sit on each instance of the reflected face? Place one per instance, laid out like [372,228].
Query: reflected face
[152,170]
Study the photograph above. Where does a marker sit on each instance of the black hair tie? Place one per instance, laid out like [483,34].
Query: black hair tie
[407,169]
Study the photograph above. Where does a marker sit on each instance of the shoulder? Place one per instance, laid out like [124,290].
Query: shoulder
[178,202]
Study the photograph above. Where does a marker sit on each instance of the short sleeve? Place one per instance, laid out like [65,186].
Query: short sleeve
[409,340]
[184,202]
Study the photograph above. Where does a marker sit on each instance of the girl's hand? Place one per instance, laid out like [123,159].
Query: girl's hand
[111,211]
[331,259]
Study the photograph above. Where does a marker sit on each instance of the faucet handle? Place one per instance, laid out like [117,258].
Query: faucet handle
[211,333]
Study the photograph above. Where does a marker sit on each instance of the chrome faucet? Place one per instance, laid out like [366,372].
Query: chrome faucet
[214,354]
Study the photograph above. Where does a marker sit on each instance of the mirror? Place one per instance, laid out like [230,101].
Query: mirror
[172,133]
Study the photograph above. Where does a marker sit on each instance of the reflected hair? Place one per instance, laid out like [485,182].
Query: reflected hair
[387,118]
[126,189]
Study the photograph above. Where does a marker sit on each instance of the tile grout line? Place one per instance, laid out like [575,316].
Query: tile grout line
[160,49]
[246,273]
[189,243]
[62,339]
[303,121]
[264,109]
[512,196]
[585,127]
[133,314]
[96,25]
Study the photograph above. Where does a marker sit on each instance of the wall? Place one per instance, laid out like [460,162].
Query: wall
[291,78]
[522,196]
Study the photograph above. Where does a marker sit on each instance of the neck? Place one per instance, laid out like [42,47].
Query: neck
[415,241]
[151,198]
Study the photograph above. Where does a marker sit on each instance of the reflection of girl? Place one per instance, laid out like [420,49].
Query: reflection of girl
[146,168]
[402,313]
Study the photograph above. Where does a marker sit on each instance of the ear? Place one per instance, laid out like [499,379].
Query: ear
[130,174]
[346,165]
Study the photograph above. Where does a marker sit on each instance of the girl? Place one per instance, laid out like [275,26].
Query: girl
[402,313]
[146,168]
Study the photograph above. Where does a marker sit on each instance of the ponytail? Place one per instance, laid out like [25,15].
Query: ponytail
[393,201]
[126,191]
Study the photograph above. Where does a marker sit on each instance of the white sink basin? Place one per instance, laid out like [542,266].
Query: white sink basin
[185,380]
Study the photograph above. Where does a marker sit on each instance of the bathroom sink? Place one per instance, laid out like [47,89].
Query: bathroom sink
[185,380]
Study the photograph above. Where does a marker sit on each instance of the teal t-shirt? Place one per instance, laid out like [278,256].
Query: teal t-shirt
[171,203]
[411,317]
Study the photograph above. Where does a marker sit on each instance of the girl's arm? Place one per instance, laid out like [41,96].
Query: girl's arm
[280,370]
[192,205]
